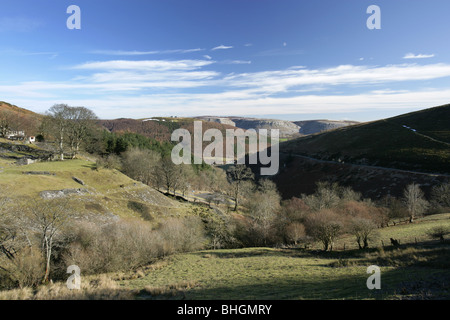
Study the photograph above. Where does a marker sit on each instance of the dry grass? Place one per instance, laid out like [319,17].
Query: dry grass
[92,288]
[173,290]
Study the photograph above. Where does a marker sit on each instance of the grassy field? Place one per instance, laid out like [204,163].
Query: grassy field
[108,191]
[412,271]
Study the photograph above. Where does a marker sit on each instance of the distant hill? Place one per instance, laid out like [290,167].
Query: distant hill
[5,106]
[19,118]
[417,141]
[287,128]
[158,128]
[316,126]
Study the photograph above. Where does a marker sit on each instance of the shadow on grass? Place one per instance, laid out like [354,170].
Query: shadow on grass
[395,284]
[408,272]
[249,252]
[92,166]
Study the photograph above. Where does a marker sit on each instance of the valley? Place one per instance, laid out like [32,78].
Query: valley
[140,227]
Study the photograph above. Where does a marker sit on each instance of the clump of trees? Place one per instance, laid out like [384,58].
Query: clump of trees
[128,244]
[69,126]
[440,197]
[323,216]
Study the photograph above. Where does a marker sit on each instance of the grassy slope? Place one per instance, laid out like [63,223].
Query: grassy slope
[12,108]
[266,273]
[386,142]
[110,190]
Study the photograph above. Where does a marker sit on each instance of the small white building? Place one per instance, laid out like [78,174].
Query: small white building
[32,139]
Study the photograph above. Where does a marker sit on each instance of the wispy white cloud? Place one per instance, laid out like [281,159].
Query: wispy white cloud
[283,80]
[147,74]
[143,53]
[207,57]
[222,47]
[235,62]
[144,65]
[15,52]
[418,56]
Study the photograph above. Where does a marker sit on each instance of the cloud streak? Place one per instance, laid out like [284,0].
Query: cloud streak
[222,47]
[143,53]
[418,56]
[144,65]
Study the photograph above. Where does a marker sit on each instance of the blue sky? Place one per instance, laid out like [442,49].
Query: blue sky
[286,59]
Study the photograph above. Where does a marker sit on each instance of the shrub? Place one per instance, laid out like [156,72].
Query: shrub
[111,161]
[324,226]
[122,245]
[182,234]
[27,268]
[295,232]
[363,230]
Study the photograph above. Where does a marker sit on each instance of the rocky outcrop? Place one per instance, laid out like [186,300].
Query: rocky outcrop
[25,151]
[77,180]
[286,127]
[53,194]
[227,121]
[43,173]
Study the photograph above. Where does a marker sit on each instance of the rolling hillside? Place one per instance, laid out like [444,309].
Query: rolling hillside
[95,192]
[417,141]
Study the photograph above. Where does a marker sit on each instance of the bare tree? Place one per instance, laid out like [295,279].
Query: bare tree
[295,231]
[56,124]
[415,201]
[141,165]
[236,176]
[8,231]
[325,197]
[69,125]
[363,230]
[46,219]
[324,226]
[168,174]
[441,195]
[5,123]
[79,121]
